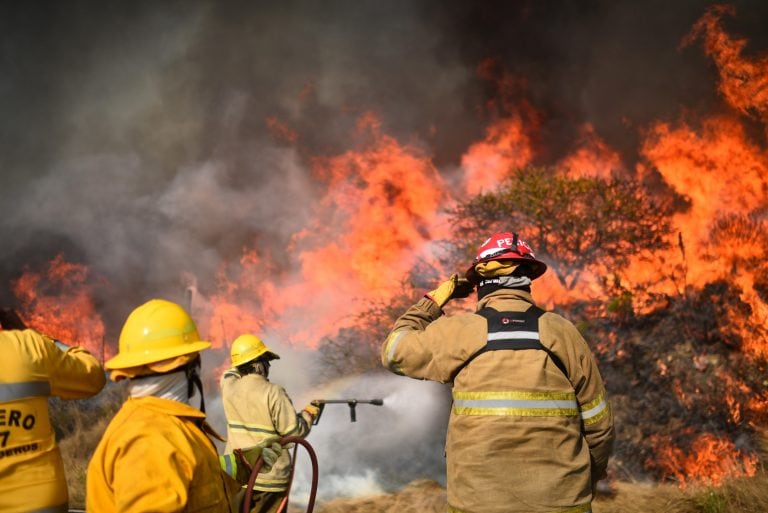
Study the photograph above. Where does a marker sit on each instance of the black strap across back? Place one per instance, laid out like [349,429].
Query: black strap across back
[513,331]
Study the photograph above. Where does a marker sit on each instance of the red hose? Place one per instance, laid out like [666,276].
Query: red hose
[257,467]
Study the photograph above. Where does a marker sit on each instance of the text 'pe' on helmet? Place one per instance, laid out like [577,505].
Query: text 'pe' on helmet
[156,331]
[510,247]
[247,348]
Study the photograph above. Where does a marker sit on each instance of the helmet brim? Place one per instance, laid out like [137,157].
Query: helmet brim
[253,356]
[128,360]
[530,268]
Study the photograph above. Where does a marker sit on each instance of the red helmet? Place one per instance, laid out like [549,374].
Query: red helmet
[507,246]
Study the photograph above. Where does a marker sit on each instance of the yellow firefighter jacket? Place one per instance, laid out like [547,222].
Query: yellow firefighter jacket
[31,471]
[156,456]
[522,436]
[257,409]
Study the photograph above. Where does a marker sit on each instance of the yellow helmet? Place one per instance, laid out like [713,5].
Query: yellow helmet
[247,348]
[156,331]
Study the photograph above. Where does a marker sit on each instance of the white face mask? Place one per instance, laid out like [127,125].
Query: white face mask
[171,386]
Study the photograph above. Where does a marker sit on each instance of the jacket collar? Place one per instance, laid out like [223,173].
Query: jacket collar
[176,409]
[166,406]
[505,294]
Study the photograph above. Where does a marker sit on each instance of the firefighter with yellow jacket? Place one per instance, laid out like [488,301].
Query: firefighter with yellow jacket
[530,428]
[258,411]
[157,454]
[35,367]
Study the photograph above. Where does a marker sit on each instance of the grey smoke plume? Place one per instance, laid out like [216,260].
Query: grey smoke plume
[134,136]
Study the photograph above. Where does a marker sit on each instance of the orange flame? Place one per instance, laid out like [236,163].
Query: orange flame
[710,460]
[281,131]
[507,144]
[376,220]
[241,304]
[720,172]
[487,163]
[59,303]
[743,81]
[591,158]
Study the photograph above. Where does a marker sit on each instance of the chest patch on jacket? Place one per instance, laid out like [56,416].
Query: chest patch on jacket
[513,331]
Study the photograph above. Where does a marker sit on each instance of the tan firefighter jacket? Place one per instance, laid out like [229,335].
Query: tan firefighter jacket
[156,455]
[522,437]
[257,409]
[33,369]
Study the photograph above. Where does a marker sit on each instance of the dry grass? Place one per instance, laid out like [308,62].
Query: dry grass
[79,426]
[748,495]
[76,450]
[422,496]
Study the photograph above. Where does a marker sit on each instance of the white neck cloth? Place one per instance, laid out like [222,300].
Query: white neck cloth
[171,386]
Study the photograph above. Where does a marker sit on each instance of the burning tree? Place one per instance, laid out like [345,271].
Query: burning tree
[685,374]
[575,224]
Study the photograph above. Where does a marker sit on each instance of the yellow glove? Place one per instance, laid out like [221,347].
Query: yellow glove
[452,288]
[314,409]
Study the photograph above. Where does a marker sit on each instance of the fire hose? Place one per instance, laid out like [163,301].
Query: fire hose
[260,462]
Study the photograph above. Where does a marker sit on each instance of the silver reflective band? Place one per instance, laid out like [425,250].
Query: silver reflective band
[505,335]
[594,411]
[61,345]
[228,464]
[515,403]
[253,429]
[16,391]
[393,344]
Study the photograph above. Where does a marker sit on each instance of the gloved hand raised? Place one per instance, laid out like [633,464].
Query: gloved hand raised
[452,288]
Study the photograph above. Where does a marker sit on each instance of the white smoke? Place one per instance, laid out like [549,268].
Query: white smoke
[386,447]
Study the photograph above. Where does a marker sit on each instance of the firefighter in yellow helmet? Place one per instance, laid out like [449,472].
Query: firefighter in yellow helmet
[156,454]
[258,410]
[35,367]
[530,429]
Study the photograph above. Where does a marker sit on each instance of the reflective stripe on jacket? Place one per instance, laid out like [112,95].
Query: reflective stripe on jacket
[518,426]
[155,456]
[257,409]
[31,469]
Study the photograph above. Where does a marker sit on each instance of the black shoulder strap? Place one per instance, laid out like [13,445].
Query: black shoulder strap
[513,331]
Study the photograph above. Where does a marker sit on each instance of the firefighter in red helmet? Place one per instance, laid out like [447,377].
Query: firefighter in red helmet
[530,429]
